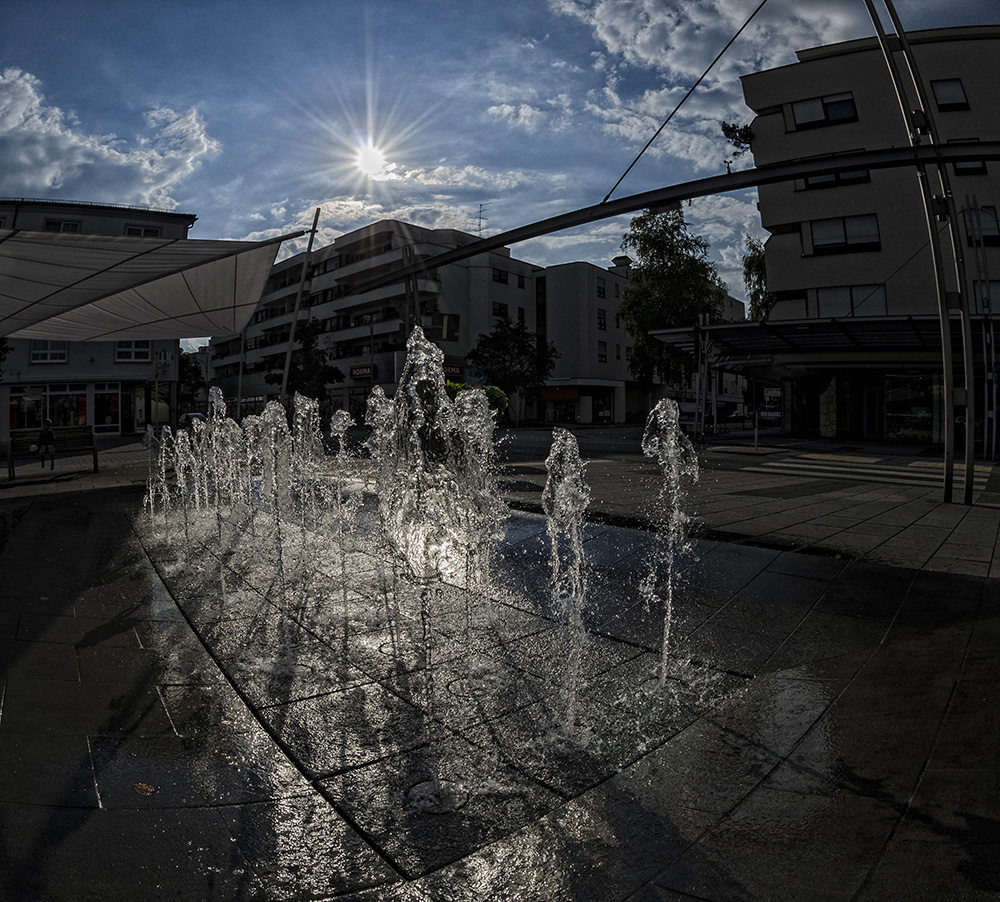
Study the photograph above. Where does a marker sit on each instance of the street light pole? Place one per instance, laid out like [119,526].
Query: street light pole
[298,304]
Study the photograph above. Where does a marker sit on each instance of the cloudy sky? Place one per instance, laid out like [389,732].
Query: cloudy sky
[452,113]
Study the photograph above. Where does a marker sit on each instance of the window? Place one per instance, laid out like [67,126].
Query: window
[602,352]
[949,94]
[61,225]
[602,319]
[820,111]
[520,281]
[143,232]
[847,234]
[982,222]
[501,276]
[601,289]
[48,351]
[500,310]
[628,352]
[618,290]
[851,300]
[618,352]
[835,179]
[968,167]
[520,314]
[137,351]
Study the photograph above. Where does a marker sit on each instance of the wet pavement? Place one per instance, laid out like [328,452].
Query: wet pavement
[849,748]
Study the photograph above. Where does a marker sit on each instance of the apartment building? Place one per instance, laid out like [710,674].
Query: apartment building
[853,335]
[574,306]
[116,386]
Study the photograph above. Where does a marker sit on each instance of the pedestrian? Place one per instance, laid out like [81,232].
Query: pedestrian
[47,445]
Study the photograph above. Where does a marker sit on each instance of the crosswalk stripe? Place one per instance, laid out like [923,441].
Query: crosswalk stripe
[892,475]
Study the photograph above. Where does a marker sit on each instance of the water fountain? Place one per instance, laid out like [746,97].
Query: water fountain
[361,605]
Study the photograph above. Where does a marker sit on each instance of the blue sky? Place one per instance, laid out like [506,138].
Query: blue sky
[251,114]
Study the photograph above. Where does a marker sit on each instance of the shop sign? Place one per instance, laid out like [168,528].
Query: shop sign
[454,369]
[364,371]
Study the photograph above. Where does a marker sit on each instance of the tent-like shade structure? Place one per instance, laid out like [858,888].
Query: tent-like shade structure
[72,287]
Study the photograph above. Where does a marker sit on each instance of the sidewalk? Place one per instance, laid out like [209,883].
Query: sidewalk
[853,756]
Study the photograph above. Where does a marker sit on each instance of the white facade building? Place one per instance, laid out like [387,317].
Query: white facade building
[852,248]
[573,305]
[117,387]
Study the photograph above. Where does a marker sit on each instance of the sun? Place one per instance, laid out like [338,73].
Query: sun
[372,164]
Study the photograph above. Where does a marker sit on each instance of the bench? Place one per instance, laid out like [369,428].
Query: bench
[68,439]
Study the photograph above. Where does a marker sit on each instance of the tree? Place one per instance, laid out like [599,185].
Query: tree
[190,375]
[513,358]
[739,136]
[310,371]
[672,284]
[755,280]
[494,396]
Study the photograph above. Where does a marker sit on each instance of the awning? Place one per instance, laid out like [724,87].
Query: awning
[745,345]
[73,287]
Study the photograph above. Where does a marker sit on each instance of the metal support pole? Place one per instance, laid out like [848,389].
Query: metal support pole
[944,180]
[939,277]
[298,305]
[239,377]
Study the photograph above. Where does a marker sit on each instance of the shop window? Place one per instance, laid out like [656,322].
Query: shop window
[847,234]
[949,94]
[821,111]
[49,351]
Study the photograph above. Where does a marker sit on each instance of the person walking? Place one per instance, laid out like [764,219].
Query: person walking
[47,445]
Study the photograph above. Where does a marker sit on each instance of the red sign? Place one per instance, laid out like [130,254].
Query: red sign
[454,369]
[364,371]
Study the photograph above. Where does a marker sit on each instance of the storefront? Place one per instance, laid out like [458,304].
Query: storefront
[112,408]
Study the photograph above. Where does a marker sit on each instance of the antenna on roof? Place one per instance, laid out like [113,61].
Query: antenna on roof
[481,217]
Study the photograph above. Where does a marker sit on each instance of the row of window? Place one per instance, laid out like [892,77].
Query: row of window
[75,226]
[502,277]
[848,234]
[602,352]
[834,109]
[132,351]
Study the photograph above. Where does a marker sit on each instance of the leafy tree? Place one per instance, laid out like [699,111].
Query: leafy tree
[739,136]
[755,280]
[494,396]
[672,284]
[513,358]
[190,375]
[310,371]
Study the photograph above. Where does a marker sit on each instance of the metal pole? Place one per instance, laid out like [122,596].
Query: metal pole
[939,280]
[298,304]
[962,301]
[239,377]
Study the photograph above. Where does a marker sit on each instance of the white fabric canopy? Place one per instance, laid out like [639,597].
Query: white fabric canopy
[72,287]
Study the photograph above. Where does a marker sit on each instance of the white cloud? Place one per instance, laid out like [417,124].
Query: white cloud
[45,150]
[522,115]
